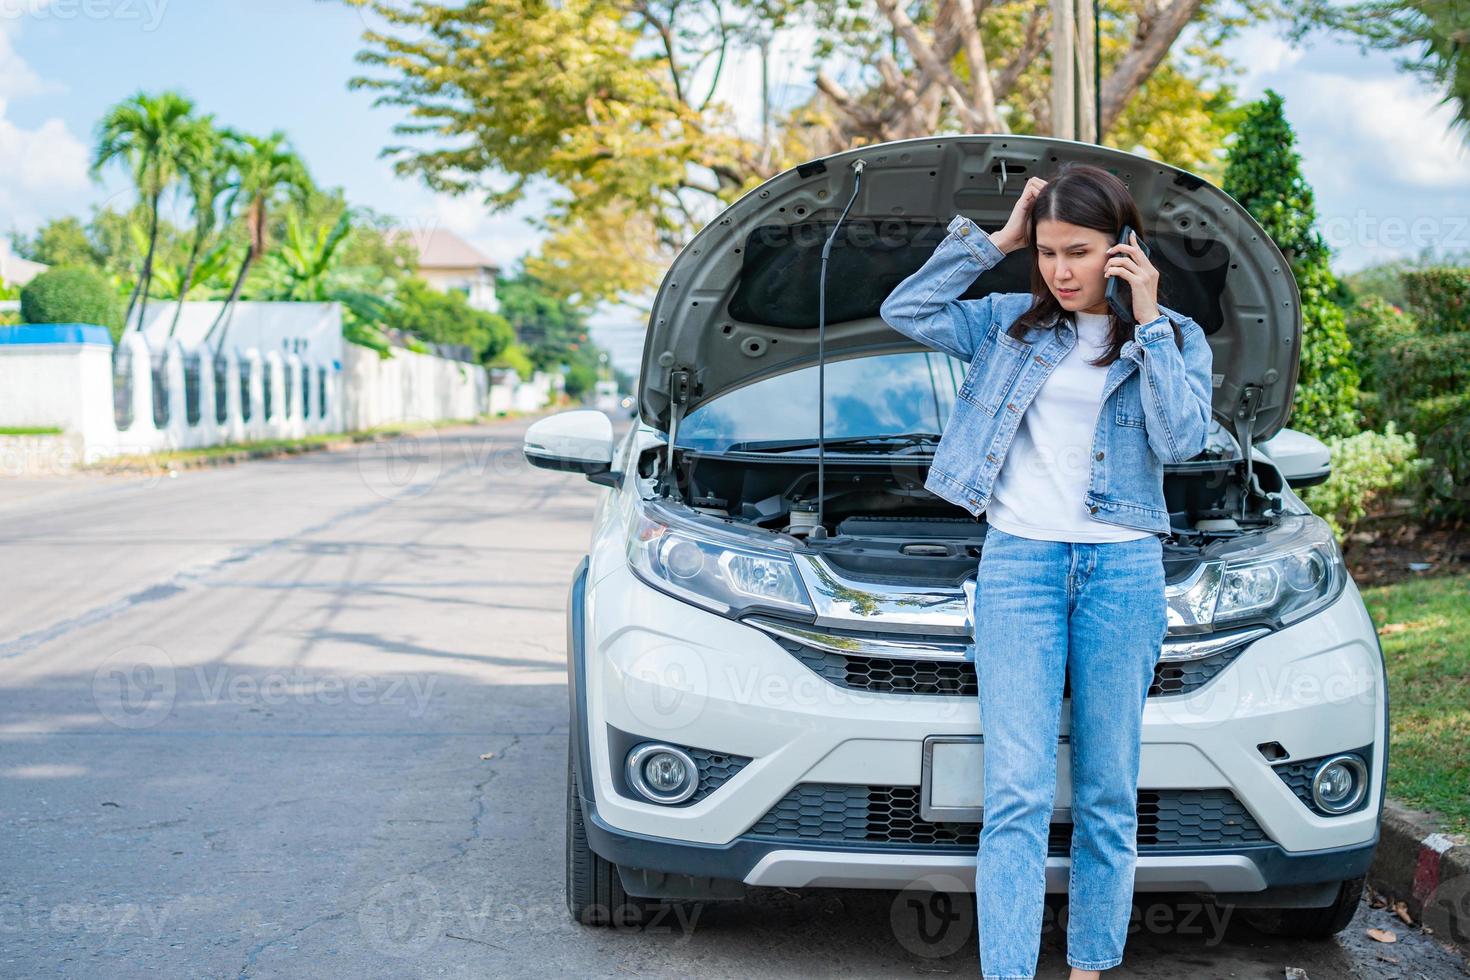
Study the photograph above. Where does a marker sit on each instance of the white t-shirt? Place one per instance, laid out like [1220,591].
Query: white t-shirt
[1041,489]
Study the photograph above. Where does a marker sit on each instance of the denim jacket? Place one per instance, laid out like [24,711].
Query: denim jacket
[1155,408]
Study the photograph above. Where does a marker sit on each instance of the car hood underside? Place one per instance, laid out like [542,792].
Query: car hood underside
[740,302]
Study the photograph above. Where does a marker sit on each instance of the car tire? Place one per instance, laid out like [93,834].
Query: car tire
[1323,923]
[594,890]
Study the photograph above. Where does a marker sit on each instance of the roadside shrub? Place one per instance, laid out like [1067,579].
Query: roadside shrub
[514,356]
[1368,469]
[1439,298]
[72,295]
[580,379]
[1423,382]
[1373,326]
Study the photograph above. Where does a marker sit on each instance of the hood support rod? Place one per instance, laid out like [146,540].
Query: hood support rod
[819,532]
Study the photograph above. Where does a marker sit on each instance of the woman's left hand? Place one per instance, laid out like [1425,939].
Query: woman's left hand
[1126,259]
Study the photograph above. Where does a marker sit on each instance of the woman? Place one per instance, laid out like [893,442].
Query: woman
[1067,413]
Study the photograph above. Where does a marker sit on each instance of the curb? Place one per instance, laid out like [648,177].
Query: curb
[1426,869]
[238,456]
[151,465]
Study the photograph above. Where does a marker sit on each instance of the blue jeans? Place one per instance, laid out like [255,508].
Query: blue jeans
[1042,609]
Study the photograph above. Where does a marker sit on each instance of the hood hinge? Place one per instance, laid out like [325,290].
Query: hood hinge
[681,387]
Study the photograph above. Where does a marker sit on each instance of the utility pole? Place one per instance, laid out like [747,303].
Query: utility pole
[1063,65]
[1073,70]
[1085,39]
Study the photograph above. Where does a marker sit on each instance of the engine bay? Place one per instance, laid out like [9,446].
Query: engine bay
[881,522]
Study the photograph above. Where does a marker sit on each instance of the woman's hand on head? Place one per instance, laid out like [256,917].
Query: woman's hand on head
[1126,259]
[1016,234]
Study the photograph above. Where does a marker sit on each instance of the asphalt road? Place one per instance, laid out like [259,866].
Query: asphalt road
[308,718]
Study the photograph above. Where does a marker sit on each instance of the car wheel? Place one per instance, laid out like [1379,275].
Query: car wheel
[1323,923]
[595,895]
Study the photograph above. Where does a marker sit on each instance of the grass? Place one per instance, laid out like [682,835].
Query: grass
[29,430]
[1424,625]
[268,447]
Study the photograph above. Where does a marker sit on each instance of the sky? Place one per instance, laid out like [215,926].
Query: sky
[1390,178]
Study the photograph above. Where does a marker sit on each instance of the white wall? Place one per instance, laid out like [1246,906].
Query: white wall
[312,331]
[71,386]
[409,387]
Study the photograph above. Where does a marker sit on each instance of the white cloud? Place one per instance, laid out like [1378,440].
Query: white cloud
[1385,128]
[41,167]
[1264,54]
[16,77]
[47,158]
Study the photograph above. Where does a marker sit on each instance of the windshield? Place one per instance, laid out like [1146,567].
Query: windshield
[880,395]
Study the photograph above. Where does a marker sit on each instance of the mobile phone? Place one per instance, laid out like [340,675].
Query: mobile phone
[1119,293]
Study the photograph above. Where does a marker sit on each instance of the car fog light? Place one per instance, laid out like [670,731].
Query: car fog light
[662,773]
[1340,783]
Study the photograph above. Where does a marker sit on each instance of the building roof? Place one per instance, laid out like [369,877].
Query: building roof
[16,271]
[442,249]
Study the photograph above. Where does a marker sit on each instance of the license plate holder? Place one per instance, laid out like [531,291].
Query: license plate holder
[952,783]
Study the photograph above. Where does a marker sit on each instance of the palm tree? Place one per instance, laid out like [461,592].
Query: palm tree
[263,167]
[207,170]
[149,134]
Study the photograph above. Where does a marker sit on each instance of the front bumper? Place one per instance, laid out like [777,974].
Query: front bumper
[1316,687]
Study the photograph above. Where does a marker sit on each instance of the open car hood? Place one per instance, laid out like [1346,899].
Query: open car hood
[739,303]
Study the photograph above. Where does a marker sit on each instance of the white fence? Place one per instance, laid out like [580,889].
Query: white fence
[132,400]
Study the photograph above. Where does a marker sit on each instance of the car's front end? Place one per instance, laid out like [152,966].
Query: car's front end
[803,696]
[757,703]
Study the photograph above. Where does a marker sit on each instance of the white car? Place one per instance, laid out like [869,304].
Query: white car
[755,702]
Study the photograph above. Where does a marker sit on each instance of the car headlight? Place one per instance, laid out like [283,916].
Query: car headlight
[1280,576]
[711,567]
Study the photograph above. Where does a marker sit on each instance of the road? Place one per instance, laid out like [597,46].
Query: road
[308,718]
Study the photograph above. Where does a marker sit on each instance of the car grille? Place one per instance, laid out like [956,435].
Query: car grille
[714,769]
[1298,776]
[912,676]
[1168,819]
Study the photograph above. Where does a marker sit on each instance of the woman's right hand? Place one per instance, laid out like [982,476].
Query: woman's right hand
[1014,235]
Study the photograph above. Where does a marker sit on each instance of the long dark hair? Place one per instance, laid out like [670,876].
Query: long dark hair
[1089,196]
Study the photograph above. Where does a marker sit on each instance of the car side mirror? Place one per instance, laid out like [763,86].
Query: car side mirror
[1303,460]
[579,441]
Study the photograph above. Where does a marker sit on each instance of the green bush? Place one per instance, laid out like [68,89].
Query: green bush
[514,356]
[581,378]
[72,295]
[1264,174]
[447,318]
[1367,469]
[1439,298]
[1373,326]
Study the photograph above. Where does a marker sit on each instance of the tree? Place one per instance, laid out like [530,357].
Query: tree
[150,134]
[207,170]
[613,100]
[551,328]
[447,318]
[264,167]
[1264,175]
[63,241]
